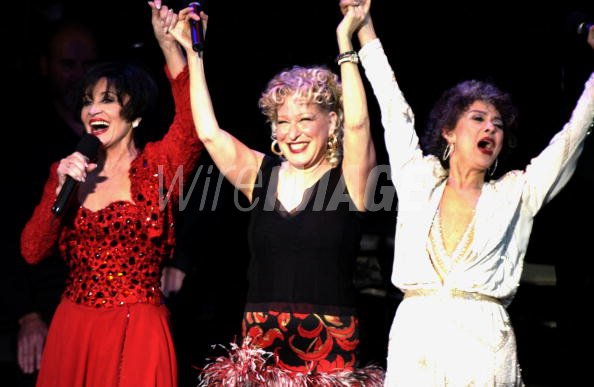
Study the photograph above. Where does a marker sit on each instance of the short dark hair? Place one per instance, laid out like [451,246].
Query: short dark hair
[451,106]
[127,80]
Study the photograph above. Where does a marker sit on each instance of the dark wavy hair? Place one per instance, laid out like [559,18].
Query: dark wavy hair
[127,80]
[454,102]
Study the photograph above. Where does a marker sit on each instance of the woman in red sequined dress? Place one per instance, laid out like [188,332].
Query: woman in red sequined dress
[111,327]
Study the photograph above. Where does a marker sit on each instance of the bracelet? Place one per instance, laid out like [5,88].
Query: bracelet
[348,56]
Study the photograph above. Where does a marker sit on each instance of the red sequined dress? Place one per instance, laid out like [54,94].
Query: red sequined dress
[111,328]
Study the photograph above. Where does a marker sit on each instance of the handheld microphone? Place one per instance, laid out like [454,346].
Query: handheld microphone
[584,28]
[88,146]
[578,22]
[197,29]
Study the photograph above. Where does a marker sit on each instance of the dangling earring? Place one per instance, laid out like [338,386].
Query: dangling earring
[447,151]
[135,123]
[332,149]
[274,145]
[492,171]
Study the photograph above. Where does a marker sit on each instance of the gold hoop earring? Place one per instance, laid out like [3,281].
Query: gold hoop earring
[447,152]
[273,149]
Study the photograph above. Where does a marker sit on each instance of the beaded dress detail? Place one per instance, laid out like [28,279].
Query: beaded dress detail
[115,253]
[443,262]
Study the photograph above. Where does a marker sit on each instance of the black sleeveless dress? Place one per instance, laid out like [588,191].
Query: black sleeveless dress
[301,299]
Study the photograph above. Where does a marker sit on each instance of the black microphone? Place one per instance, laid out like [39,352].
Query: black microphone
[577,22]
[88,146]
[196,28]
[584,28]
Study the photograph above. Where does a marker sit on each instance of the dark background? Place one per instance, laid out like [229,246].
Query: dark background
[431,47]
[528,49]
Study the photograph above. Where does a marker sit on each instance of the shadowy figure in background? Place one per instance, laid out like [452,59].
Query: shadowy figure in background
[51,132]
[461,232]
[71,51]
[111,326]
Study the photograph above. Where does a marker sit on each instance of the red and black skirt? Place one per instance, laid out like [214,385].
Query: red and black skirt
[288,348]
[305,342]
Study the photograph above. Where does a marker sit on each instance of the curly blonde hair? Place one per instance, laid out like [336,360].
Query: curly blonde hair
[314,84]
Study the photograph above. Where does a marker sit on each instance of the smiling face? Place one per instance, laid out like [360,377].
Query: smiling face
[477,137]
[302,131]
[101,114]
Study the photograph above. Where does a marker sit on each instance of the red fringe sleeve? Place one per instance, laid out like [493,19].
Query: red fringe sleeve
[180,146]
[41,232]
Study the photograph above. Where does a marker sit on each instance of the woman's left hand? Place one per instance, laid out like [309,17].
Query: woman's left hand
[163,19]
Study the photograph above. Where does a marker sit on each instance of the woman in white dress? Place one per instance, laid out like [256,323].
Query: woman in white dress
[460,236]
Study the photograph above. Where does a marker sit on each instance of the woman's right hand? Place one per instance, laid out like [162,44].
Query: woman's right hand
[76,166]
[356,14]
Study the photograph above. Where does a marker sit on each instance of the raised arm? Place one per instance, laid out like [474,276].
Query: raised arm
[161,18]
[402,142]
[366,32]
[548,172]
[359,152]
[238,163]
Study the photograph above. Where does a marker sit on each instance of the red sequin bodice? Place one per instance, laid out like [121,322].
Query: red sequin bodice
[115,254]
